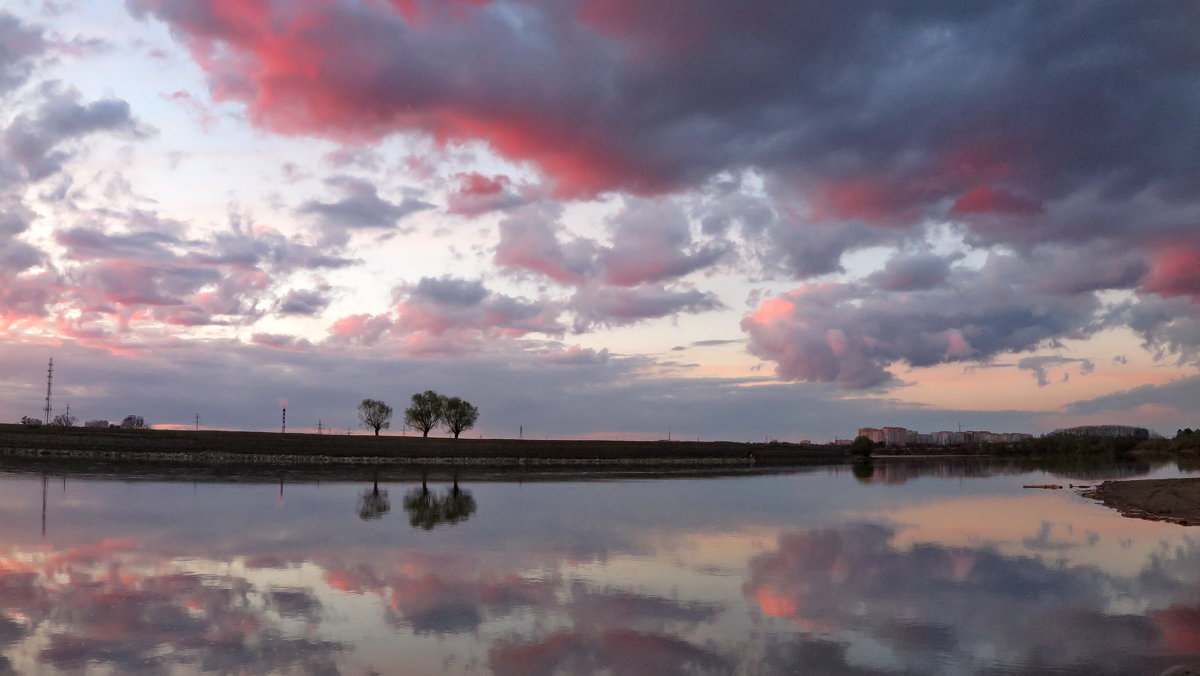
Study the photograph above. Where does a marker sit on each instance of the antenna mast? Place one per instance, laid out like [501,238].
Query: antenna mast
[49,378]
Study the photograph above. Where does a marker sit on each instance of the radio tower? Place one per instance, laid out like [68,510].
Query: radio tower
[49,378]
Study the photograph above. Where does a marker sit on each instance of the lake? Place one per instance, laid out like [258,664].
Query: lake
[917,567]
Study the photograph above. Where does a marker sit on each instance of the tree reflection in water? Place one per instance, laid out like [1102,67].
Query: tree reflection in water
[373,504]
[427,510]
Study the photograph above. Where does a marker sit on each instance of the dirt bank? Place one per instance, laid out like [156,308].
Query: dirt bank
[1172,500]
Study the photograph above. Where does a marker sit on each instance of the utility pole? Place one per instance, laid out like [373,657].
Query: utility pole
[197,422]
[49,378]
[283,421]
[318,427]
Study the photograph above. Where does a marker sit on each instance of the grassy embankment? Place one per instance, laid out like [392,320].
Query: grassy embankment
[220,447]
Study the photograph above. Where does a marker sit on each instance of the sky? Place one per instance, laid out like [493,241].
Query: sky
[603,218]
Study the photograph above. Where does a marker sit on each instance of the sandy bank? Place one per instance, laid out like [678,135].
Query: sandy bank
[1171,500]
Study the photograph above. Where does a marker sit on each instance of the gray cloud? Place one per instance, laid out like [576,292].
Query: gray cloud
[607,306]
[652,243]
[912,272]
[448,291]
[36,145]
[20,44]
[1182,394]
[1041,365]
[304,301]
[360,209]
[529,241]
[850,333]
[477,194]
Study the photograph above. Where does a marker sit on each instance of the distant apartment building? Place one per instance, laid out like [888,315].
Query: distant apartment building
[901,437]
[895,436]
[888,436]
[871,433]
[948,438]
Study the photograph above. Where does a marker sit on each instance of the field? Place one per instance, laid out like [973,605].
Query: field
[207,447]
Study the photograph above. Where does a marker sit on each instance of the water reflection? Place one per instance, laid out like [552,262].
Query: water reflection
[427,510]
[108,605]
[372,504]
[930,568]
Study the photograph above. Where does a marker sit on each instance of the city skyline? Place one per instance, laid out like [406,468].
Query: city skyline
[602,219]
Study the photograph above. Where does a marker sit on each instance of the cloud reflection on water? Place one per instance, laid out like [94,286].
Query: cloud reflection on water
[913,582]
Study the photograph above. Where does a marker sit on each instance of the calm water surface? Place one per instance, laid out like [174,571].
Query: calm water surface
[941,567]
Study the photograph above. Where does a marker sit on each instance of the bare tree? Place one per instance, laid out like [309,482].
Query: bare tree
[375,414]
[425,412]
[64,420]
[458,415]
[133,422]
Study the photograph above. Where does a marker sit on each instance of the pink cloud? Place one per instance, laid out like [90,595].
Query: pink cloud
[1174,270]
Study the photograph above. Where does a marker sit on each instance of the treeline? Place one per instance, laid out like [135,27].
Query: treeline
[427,411]
[1186,440]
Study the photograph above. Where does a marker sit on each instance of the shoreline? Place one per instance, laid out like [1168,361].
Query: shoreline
[1169,500]
[222,448]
